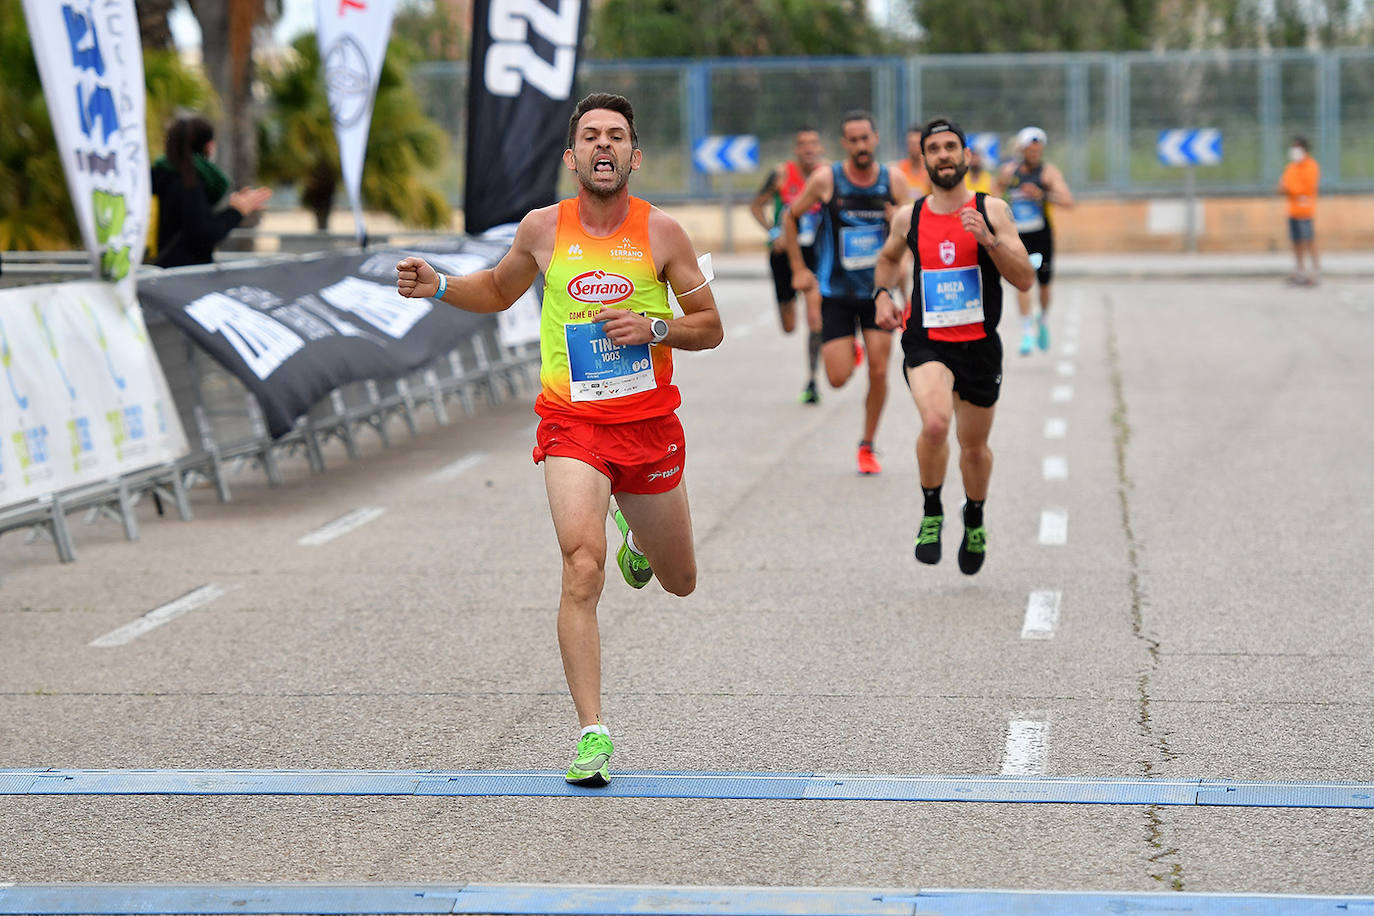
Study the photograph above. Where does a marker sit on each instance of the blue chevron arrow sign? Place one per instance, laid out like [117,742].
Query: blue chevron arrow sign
[1189,147]
[726,153]
[989,145]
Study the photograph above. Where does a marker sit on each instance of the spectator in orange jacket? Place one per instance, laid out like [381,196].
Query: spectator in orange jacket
[1299,184]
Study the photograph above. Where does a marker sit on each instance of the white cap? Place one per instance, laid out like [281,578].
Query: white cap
[1029,135]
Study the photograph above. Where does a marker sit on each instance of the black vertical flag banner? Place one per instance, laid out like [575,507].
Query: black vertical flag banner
[520,96]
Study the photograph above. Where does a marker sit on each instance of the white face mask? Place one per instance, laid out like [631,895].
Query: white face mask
[1295,153]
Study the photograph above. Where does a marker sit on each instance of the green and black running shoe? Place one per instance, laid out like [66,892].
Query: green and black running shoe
[633,566]
[928,540]
[973,550]
[592,765]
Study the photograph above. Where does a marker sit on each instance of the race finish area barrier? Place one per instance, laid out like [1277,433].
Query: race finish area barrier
[86,417]
[264,360]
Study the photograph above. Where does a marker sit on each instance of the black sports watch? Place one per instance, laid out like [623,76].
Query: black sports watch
[659,328]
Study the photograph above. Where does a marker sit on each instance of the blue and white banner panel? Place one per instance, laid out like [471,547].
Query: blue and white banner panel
[1189,147]
[84,398]
[91,62]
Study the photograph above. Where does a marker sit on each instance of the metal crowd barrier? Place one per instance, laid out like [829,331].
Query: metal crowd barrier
[225,425]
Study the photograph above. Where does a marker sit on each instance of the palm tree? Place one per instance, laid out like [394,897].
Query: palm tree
[297,142]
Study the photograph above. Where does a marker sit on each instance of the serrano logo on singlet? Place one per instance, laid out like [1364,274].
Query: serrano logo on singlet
[947,252]
[600,286]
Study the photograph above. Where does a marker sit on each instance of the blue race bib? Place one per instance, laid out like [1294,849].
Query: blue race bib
[600,370]
[951,297]
[859,245]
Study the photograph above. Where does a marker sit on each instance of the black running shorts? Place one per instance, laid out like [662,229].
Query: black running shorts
[1041,242]
[782,272]
[976,364]
[845,317]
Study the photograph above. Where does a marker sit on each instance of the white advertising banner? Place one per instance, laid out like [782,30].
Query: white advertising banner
[91,63]
[83,398]
[352,35]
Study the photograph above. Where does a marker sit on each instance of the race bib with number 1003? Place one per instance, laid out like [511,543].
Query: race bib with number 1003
[600,370]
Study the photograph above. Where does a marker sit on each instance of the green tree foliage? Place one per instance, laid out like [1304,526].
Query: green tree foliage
[439,29]
[36,212]
[993,26]
[297,142]
[968,26]
[732,28]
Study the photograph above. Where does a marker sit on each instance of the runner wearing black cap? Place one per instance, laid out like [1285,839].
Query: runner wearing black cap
[963,243]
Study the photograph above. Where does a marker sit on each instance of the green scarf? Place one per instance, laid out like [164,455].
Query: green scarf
[215,181]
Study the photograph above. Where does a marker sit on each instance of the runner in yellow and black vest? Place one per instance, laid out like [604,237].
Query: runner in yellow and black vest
[1034,188]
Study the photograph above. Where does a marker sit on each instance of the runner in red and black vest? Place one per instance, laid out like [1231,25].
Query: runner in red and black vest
[963,243]
[783,185]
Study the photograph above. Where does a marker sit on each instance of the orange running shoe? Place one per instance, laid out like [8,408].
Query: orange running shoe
[858,353]
[868,459]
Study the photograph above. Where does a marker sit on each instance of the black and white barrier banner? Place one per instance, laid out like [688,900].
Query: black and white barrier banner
[524,58]
[84,398]
[293,332]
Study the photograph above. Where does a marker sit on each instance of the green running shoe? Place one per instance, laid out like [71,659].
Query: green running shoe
[973,550]
[592,765]
[633,566]
[928,540]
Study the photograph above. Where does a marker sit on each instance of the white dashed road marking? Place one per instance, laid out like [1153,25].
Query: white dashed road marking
[1054,527]
[1056,467]
[1042,615]
[1027,747]
[454,468]
[341,526]
[158,616]
[1056,428]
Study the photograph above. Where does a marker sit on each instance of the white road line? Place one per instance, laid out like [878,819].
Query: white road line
[1027,747]
[341,526]
[1061,394]
[1054,527]
[1055,467]
[1065,368]
[1056,428]
[1042,614]
[454,468]
[158,616]
[1070,348]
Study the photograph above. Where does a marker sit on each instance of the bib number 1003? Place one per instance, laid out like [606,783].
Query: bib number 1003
[511,62]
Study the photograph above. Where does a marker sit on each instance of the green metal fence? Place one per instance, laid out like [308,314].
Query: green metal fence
[1103,112]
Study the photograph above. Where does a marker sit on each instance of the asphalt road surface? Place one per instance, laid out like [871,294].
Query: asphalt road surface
[1178,586]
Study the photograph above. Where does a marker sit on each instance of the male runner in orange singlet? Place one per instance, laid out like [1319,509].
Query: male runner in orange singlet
[608,402]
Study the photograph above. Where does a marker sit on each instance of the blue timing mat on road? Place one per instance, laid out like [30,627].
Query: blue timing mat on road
[46,899]
[794,786]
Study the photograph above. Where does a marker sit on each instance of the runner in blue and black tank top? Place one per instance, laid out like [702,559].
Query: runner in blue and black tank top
[963,244]
[858,196]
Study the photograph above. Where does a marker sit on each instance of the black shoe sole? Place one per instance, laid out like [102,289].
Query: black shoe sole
[970,563]
[928,559]
[595,781]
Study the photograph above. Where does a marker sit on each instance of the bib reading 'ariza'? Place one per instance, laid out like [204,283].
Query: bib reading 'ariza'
[584,374]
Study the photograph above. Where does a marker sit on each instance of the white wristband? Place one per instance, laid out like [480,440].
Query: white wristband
[443,286]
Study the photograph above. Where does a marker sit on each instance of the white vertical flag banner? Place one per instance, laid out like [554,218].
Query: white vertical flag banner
[352,35]
[91,63]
